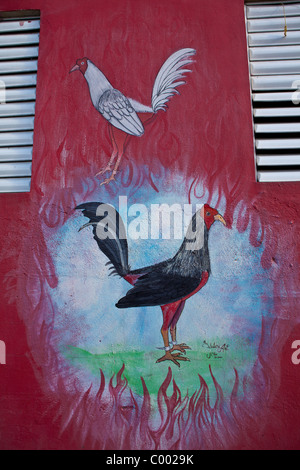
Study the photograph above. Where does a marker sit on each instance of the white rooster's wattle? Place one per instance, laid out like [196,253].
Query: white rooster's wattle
[126,116]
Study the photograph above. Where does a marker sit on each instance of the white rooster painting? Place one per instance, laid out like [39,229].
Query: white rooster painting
[127,117]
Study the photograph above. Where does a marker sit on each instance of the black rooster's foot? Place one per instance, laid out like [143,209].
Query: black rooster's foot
[180,347]
[173,357]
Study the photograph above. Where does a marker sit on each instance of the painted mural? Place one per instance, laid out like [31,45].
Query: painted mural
[150,286]
[109,327]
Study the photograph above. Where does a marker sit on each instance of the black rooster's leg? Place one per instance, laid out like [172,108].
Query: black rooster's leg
[177,347]
[173,329]
[168,356]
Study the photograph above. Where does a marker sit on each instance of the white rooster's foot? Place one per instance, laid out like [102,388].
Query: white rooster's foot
[108,180]
[104,170]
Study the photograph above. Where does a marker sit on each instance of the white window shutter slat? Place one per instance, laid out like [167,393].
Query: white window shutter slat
[17,109]
[273,144]
[277,96]
[18,66]
[25,24]
[21,169]
[277,112]
[20,94]
[278,160]
[274,52]
[15,154]
[28,52]
[19,39]
[276,177]
[274,38]
[17,123]
[275,82]
[273,24]
[15,185]
[15,138]
[18,80]
[275,67]
[272,11]
[281,128]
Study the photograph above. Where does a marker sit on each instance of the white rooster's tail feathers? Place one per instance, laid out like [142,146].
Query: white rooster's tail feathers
[170,77]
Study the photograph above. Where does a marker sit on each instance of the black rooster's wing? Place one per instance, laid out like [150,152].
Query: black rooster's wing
[158,288]
[116,108]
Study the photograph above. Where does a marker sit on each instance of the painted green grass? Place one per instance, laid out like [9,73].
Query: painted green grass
[143,364]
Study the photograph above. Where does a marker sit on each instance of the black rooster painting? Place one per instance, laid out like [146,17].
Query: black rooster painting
[167,284]
[126,116]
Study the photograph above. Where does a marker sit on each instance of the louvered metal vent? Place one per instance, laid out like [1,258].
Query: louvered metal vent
[273,32]
[19,45]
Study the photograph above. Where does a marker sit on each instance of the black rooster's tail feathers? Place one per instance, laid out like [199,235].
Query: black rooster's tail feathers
[109,233]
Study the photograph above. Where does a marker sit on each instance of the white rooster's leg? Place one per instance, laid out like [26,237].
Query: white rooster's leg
[113,155]
[109,165]
[119,139]
[114,172]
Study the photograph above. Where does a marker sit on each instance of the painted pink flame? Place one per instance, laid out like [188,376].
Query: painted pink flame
[105,422]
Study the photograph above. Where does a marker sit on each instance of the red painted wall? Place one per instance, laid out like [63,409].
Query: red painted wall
[211,136]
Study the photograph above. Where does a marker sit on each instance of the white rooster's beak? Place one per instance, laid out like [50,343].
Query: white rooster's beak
[76,67]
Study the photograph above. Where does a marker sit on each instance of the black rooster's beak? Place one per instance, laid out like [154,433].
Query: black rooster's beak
[220,219]
[73,69]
